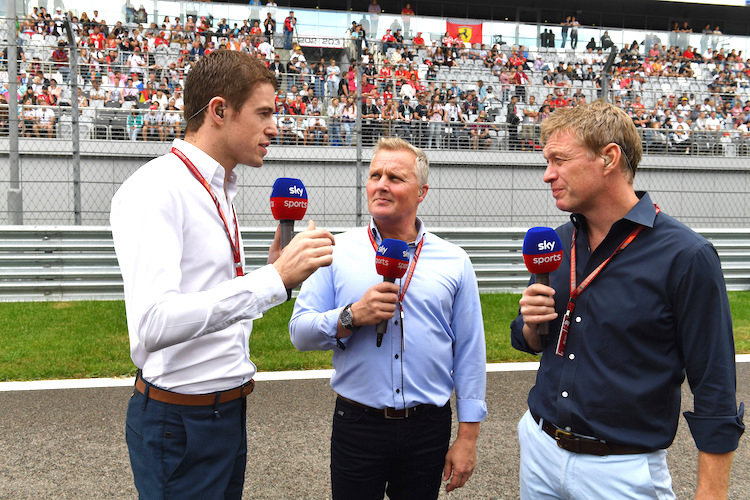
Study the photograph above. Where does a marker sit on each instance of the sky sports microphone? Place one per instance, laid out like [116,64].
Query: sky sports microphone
[391,262]
[542,254]
[288,204]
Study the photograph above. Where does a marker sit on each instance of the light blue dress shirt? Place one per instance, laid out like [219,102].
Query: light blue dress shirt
[443,328]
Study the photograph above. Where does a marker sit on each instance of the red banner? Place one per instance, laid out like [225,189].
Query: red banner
[465,30]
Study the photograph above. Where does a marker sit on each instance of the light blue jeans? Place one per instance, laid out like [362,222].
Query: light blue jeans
[548,472]
[436,128]
[348,128]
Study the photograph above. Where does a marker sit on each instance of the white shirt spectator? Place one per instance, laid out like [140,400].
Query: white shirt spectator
[153,117]
[171,118]
[407,90]
[44,115]
[714,123]
[266,49]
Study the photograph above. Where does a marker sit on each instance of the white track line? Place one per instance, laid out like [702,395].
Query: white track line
[87,383]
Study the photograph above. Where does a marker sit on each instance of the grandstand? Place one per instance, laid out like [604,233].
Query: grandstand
[130,70]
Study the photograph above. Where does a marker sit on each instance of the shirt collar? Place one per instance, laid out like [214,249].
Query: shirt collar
[210,169]
[378,238]
[643,213]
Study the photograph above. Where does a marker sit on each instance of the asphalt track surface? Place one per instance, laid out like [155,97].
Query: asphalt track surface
[70,443]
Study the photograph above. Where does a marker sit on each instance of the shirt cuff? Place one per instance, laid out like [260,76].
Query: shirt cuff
[716,434]
[331,325]
[471,410]
[272,292]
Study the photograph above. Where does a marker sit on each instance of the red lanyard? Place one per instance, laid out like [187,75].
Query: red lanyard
[576,291]
[235,246]
[413,264]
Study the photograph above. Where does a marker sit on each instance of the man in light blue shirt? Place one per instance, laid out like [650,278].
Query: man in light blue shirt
[482,96]
[391,427]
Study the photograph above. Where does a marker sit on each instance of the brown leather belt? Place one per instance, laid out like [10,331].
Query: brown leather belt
[390,413]
[175,398]
[589,446]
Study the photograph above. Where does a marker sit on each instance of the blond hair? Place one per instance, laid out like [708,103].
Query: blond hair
[596,125]
[421,165]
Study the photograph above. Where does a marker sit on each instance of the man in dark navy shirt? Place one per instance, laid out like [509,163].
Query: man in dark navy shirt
[606,401]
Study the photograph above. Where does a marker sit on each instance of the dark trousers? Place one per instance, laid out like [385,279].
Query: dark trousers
[187,452]
[371,455]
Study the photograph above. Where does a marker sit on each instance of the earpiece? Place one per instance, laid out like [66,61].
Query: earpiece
[220,111]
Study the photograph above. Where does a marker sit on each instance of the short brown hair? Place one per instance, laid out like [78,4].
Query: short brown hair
[596,125]
[230,74]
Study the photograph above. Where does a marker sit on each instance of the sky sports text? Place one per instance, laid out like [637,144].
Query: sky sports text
[385,261]
[295,203]
[545,259]
[546,245]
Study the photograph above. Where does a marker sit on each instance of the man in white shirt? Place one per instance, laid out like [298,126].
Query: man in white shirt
[713,123]
[189,303]
[680,135]
[153,121]
[453,114]
[266,49]
[45,120]
[316,132]
[333,77]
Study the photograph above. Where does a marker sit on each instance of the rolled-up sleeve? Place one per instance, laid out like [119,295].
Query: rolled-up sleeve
[704,324]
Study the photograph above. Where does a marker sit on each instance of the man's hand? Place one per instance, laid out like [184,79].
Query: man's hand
[462,456]
[537,306]
[307,251]
[377,304]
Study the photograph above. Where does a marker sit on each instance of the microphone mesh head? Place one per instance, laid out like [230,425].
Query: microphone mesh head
[392,258]
[542,250]
[288,199]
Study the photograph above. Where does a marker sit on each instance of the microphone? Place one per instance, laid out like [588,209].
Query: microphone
[391,262]
[288,204]
[542,254]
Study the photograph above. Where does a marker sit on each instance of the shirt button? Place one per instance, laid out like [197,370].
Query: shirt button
[396,356]
[578,319]
[571,356]
[565,394]
[398,391]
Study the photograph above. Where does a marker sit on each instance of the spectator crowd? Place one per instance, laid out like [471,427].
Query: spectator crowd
[439,93]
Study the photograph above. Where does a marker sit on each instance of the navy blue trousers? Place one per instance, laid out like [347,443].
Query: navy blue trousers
[371,455]
[187,452]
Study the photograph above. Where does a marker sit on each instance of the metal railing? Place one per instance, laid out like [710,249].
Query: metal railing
[63,263]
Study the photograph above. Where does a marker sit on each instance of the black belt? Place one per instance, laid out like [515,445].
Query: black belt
[193,399]
[589,446]
[390,413]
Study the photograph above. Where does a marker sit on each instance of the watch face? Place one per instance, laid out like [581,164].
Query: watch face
[346,317]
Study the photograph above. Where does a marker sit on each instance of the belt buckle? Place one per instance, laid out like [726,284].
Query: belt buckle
[387,416]
[561,434]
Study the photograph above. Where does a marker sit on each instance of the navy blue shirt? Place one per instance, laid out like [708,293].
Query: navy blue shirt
[658,311]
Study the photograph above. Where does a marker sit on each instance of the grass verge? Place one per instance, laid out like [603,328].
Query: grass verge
[58,340]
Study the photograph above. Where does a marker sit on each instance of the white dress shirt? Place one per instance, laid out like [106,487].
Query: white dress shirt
[189,317]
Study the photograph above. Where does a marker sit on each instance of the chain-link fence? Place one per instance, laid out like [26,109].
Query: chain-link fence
[88,116]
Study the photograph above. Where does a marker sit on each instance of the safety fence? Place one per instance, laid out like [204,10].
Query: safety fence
[79,263]
[487,164]
[481,132]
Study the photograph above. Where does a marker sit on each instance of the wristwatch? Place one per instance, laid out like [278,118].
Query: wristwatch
[347,318]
